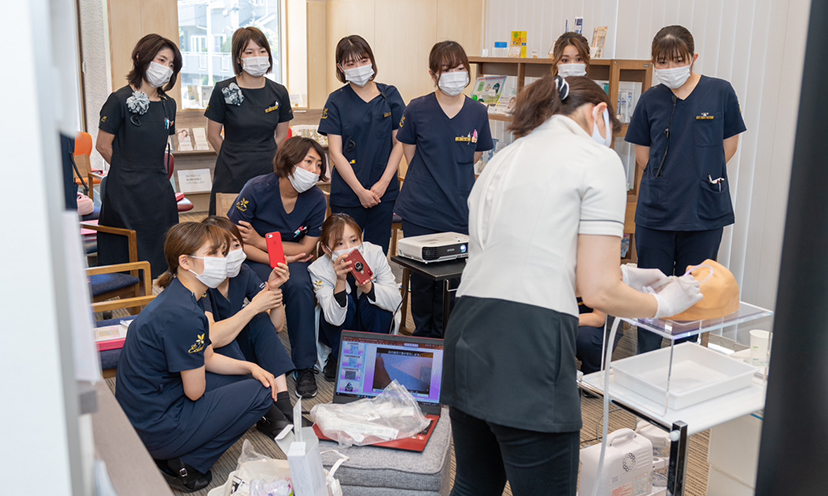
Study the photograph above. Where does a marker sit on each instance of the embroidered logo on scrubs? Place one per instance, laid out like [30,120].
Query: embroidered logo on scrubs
[324,113]
[402,121]
[103,119]
[241,205]
[198,346]
[270,109]
[705,116]
[317,284]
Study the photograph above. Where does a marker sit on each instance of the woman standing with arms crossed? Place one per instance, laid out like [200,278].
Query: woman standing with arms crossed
[685,130]
[546,220]
[254,113]
[361,121]
[443,134]
[136,123]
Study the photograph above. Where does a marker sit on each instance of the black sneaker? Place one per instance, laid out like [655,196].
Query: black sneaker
[330,368]
[306,383]
[183,477]
[273,422]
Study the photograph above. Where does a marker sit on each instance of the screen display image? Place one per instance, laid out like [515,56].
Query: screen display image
[367,366]
[412,369]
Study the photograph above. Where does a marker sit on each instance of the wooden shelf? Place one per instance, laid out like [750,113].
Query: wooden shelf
[500,117]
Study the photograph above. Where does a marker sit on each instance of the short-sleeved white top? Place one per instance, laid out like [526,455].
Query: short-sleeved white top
[528,208]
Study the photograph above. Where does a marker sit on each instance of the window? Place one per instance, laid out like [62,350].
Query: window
[205,30]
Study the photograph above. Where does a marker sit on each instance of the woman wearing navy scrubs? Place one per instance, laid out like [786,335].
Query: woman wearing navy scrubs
[187,403]
[361,121]
[685,130]
[136,122]
[249,331]
[253,111]
[443,134]
[287,201]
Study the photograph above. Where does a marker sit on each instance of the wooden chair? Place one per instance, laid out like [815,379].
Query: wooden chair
[224,202]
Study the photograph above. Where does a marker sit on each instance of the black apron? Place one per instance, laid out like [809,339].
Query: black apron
[138,194]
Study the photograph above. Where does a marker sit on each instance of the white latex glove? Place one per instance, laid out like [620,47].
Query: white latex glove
[677,296]
[638,279]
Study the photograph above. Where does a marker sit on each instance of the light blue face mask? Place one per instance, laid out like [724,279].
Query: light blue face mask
[596,134]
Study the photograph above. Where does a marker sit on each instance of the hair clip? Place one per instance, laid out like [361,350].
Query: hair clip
[563,87]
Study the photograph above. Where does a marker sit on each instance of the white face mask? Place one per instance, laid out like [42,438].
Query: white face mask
[303,180]
[453,83]
[673,78]
[335,254]
[596,134]
[158,75]
[214,273]
[566,70]
[359,75]
[234,262]
[256,66]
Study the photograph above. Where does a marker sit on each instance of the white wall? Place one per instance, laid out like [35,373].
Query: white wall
[757,45]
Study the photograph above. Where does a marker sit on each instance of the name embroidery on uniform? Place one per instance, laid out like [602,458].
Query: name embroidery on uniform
[705,116]
[324,113]
[387,114]
[271,109]
[198,346]
[241,205]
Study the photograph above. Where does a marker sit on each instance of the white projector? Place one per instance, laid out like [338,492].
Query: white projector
[438,247]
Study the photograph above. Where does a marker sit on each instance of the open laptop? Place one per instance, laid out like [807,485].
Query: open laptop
[368,362]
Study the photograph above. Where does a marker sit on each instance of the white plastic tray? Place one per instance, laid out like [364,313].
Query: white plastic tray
[698,374]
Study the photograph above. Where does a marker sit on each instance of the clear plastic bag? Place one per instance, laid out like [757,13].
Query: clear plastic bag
[394,414]
[256,471]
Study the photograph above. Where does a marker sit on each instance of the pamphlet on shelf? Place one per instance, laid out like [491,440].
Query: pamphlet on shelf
[185,143]
[506,103]
[487,89]
[194,180]
[517,44]
[599,38]
[200,137]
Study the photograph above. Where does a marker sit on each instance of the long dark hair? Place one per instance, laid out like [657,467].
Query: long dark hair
[144,52]
[539,101]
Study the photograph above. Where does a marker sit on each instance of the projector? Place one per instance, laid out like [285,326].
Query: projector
[438,247]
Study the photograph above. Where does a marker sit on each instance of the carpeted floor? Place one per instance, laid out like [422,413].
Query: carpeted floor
[591,409]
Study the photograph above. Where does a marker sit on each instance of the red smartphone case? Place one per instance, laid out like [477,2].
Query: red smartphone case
[359,268]
[275,251]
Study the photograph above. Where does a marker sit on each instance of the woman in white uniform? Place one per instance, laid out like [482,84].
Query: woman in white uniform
[546,221]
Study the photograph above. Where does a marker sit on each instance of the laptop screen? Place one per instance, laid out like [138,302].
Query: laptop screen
[369,362]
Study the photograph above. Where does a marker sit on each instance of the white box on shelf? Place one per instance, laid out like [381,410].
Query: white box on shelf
[697,374]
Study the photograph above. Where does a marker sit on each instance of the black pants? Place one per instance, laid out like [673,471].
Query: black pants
[672,252]
[590,343]
[375,222]
[426,294]
[535,463]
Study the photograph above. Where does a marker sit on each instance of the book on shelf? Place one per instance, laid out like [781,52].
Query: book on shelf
[487,89]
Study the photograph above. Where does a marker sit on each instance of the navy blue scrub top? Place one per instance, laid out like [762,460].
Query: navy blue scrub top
[683,198]
[365,128]
[245,285]
[260,204]
[168,337]
[441,174]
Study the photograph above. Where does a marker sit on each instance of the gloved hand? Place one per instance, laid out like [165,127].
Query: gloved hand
[638,279]
[677,296]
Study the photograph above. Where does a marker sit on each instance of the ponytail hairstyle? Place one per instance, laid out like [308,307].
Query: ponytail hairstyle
[673,43]
[550,96]
[185,239]
[334,226]
[570,38]
[227,225]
